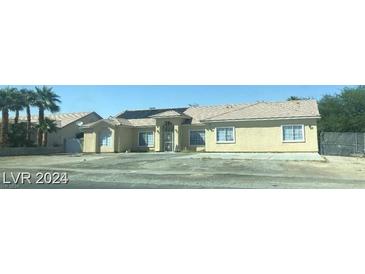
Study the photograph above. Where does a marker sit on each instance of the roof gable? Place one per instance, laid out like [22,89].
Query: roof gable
[169,114]
[110,121]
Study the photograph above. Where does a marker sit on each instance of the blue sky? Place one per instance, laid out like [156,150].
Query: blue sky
[110,100]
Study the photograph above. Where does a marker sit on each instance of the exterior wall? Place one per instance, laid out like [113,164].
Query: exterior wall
[57,138]
[253,136]
[92,141]
[159,146]
[125,139]
[185,138]
[135,142]
[89,142]
[263,136]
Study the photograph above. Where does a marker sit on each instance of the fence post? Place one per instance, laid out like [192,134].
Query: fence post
[321,143]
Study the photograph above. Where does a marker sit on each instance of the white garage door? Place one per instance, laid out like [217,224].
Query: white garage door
[73,145]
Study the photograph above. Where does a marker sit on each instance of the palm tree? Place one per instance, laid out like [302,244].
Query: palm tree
[29,101]
[18,104]
[46,126]
[6,102]
[46,99]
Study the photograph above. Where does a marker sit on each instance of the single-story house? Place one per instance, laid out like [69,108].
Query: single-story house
[289,126]
[69,134]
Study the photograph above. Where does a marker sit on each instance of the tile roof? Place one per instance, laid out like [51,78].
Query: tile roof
[62,119]
[112,121]
[146,113]
[288,109]
[201,114]
[169,113]
[146,122]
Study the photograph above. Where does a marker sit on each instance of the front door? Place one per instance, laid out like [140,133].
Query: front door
[168,137]
[168,141]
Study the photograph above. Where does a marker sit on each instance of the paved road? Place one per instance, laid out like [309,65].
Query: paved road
[150,170]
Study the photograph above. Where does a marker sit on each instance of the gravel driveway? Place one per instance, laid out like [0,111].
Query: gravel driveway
[179,170]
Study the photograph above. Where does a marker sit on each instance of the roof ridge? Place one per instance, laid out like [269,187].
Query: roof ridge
[211,106]
[221,105]
[186,107]
[233,110]
[289,101]
[145,109]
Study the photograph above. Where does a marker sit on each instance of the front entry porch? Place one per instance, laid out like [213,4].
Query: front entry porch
[167,136]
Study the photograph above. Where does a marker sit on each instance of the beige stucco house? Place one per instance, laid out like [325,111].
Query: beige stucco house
[289,126]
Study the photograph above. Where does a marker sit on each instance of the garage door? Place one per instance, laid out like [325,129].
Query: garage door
[73,145]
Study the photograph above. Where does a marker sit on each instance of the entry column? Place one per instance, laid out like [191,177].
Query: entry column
[176,137]
[158,135]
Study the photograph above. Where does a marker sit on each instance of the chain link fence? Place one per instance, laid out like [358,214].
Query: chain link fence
[342,143]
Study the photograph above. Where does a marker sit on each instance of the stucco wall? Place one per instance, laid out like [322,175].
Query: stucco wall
[135,145]
[159,145]
[185,138]
[258,136]
[125,139]
[263,136]
[89,142]
[92,139]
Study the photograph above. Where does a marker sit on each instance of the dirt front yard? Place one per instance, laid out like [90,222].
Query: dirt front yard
[179,170]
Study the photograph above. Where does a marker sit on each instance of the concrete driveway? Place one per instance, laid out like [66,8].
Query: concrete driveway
[190,170]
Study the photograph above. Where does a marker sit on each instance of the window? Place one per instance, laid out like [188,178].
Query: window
[197,137]
[293,133]
[225,135]
[145,139]
[106,137]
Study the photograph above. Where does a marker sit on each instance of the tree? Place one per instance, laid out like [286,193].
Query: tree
[6,102]
[344,112]
[46,99]
[47,126]
[297,98]
[30,98]
[18,103]
[17,135]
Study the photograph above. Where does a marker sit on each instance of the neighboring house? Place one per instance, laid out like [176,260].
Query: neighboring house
[69,128]
[289,126]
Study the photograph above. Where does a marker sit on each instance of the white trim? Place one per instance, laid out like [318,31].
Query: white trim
[146,131]
[226,142]
[191,129]
[293,141]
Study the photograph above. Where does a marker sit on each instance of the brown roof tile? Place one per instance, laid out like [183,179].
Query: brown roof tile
[201,114]
[288,109]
